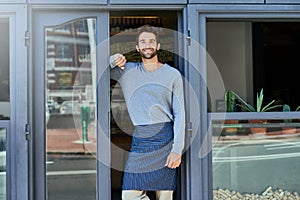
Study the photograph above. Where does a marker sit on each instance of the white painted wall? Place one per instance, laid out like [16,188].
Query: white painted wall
[230,46]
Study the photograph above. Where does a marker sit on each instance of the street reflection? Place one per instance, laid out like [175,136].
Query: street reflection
[2,163]
[4,70]
[248,162]
[70,111]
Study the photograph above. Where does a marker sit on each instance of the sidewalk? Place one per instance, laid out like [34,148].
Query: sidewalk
[69,141]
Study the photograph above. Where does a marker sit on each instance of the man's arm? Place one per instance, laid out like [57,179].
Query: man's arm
[117,64]
[174,158]
[117,60]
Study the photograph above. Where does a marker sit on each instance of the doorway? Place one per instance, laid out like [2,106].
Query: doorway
[123,27]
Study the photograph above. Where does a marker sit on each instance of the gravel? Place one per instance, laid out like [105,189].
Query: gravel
[269,193]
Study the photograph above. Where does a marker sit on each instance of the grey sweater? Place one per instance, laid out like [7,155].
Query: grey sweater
[153,97]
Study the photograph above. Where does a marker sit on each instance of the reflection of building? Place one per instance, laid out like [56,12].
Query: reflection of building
[68,59]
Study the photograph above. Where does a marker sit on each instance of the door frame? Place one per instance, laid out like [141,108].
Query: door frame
[41,17]
[36,101]
[182,51]
[198,15]
[17,158]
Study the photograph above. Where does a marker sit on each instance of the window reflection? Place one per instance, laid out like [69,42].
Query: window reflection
[70,111]
[250,162]
[4,70]
[2,163]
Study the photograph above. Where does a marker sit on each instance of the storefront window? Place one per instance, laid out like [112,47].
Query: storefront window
[70,111]
[255,58]
[256,160]
[4,70]
[2,163]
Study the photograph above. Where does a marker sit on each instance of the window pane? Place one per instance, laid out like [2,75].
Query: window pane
[4,70]
[2,163]
[70,111]
[250,157]
[252,56]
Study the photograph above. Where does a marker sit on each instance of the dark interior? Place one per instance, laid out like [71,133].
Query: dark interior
[125,23]
[276,50]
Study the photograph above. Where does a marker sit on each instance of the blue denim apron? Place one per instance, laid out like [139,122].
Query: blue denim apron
[145,168]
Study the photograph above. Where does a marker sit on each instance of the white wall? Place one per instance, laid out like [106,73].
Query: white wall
[230,46]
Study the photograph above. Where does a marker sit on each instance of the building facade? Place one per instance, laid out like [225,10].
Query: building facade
[64,127]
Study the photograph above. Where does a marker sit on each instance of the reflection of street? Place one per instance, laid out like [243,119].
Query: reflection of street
[251,165]
[71,163]
[2,164]
[68,141]
[2,185]
[71,177]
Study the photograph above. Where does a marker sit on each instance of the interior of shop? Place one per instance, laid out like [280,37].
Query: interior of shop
[255,55]
[123,27]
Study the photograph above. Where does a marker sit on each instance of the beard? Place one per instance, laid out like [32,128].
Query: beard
[148,55]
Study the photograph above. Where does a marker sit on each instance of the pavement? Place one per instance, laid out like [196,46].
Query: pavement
[70,141]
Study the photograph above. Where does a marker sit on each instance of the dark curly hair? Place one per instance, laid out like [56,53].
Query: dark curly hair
[147,29]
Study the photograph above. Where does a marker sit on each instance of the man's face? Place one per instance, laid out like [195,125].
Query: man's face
[147,45]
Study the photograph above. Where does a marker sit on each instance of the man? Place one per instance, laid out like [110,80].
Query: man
[154,97]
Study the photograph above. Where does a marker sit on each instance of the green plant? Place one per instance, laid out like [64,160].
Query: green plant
[259,101]
[287,108]
[229,101]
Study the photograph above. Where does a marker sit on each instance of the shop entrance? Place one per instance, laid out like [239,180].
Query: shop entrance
[73,142]
[123,27]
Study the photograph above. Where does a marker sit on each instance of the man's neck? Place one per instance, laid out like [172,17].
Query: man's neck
[151,64]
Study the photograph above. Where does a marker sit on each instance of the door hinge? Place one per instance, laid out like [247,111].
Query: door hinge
[188,38]
[26,38]
[27,131]
[189,129]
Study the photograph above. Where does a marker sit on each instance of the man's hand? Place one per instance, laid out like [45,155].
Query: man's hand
[173,160]
[119,60]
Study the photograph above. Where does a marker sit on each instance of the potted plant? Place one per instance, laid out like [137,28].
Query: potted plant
[230,106]
[259,108]
[288,130]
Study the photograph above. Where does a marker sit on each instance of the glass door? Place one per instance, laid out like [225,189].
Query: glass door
[5,105]
[13,104]
[70,105]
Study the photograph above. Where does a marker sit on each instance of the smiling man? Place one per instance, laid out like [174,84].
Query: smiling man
[154,97]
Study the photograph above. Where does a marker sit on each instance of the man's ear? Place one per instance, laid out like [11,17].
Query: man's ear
[137,48]
[158,46]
